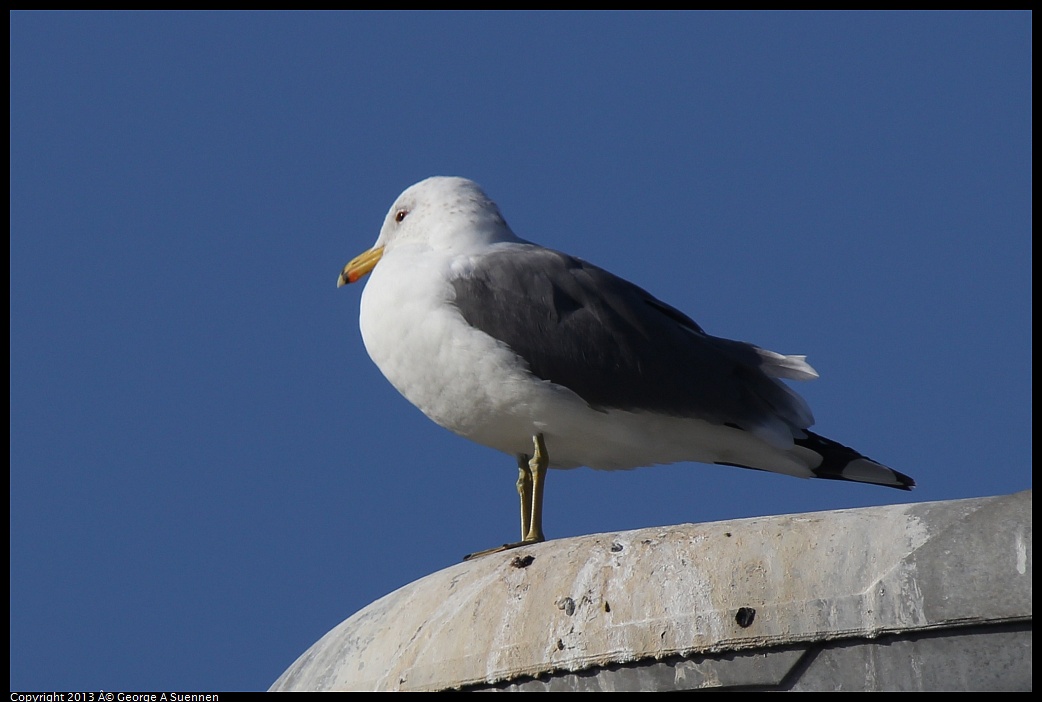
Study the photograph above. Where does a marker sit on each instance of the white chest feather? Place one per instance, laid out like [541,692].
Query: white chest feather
[459,377]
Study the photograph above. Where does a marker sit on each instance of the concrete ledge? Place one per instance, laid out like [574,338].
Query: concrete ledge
[926,596]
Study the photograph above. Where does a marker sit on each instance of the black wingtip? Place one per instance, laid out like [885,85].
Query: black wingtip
[839,462]
[907,482]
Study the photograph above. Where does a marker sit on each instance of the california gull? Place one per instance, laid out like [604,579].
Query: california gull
[558,362]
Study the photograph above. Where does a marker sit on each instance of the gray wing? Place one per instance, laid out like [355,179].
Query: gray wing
[617,346]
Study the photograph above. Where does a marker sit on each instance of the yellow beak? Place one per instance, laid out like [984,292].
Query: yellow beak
[360,265]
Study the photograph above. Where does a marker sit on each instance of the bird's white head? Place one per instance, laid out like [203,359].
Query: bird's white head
[442,213]
[448,213]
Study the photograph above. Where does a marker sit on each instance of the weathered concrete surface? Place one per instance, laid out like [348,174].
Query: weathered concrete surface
[922,596]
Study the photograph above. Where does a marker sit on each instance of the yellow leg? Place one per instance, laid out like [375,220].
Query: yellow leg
[537,467]
[524,490]
[531,480]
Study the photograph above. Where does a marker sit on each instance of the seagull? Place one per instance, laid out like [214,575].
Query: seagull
[562,364]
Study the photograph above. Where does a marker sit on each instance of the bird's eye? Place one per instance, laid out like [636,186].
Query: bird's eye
[400,215]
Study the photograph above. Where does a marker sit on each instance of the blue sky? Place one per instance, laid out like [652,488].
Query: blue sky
[207,471]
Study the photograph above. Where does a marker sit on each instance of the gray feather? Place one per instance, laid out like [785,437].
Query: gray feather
[617,346]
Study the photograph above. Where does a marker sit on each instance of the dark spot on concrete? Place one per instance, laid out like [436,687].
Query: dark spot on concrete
[744,617]
[567,604]
[607,607]
[616,547]
[522,561]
